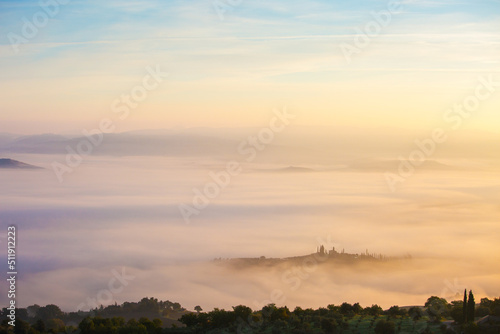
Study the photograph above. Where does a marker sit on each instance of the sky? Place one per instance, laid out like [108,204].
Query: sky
[370,86]
[229,65]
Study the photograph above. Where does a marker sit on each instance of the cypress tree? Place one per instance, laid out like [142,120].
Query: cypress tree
[465,306]
[471,307]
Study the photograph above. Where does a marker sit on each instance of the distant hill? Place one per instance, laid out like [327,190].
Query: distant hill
[289,169]
[322,255]
[390,165]
[294,169]
[14,164]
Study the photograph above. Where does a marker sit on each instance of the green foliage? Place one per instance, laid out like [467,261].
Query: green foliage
[437,308]
[486,302]
[357,309]
[39,326]
[33,310]
[347,309]
[373,310]
[482,311]
[86,326]
[457,313]
[144,316]
[49,312]
[189,319]
[395,311]
[415,313]
[328,325]
[55,325]
[270,319]
[22,327]
[385,327]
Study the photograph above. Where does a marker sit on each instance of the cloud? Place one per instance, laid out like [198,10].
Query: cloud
[115,212]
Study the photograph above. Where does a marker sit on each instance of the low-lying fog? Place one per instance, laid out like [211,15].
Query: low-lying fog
[121,214]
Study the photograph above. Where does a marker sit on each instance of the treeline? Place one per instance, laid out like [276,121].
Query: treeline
[52,319]
[150,316]
[335,319]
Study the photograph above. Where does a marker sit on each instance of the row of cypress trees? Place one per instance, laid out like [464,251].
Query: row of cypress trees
[469,307]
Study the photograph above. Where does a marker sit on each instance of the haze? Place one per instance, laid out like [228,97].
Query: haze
[115,212]
[133,108]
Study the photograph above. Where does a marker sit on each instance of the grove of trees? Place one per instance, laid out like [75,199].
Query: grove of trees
[151,316]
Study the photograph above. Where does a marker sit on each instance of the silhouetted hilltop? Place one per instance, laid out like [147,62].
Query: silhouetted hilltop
[321,256]
[14,164]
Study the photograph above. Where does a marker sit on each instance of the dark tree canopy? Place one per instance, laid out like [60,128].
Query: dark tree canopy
[471,307]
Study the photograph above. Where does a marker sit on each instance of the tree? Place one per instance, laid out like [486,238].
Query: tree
[189,319]
[385,327]
[198,308]
[148,305]
[86,326]
[242,312]
[471,307]
[486,302]
[495,307]
[346,309]
[482,311]
[457,312]
[436,308]
[395,311]
[373,310]
[153,327]
[33,310]
[328,325]
[356,308]
[220,318]
[465,307]
[39,326]
[21,327]
[50,311]
[415,313]
[55,325]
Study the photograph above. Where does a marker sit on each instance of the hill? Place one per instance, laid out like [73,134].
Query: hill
[14,164]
